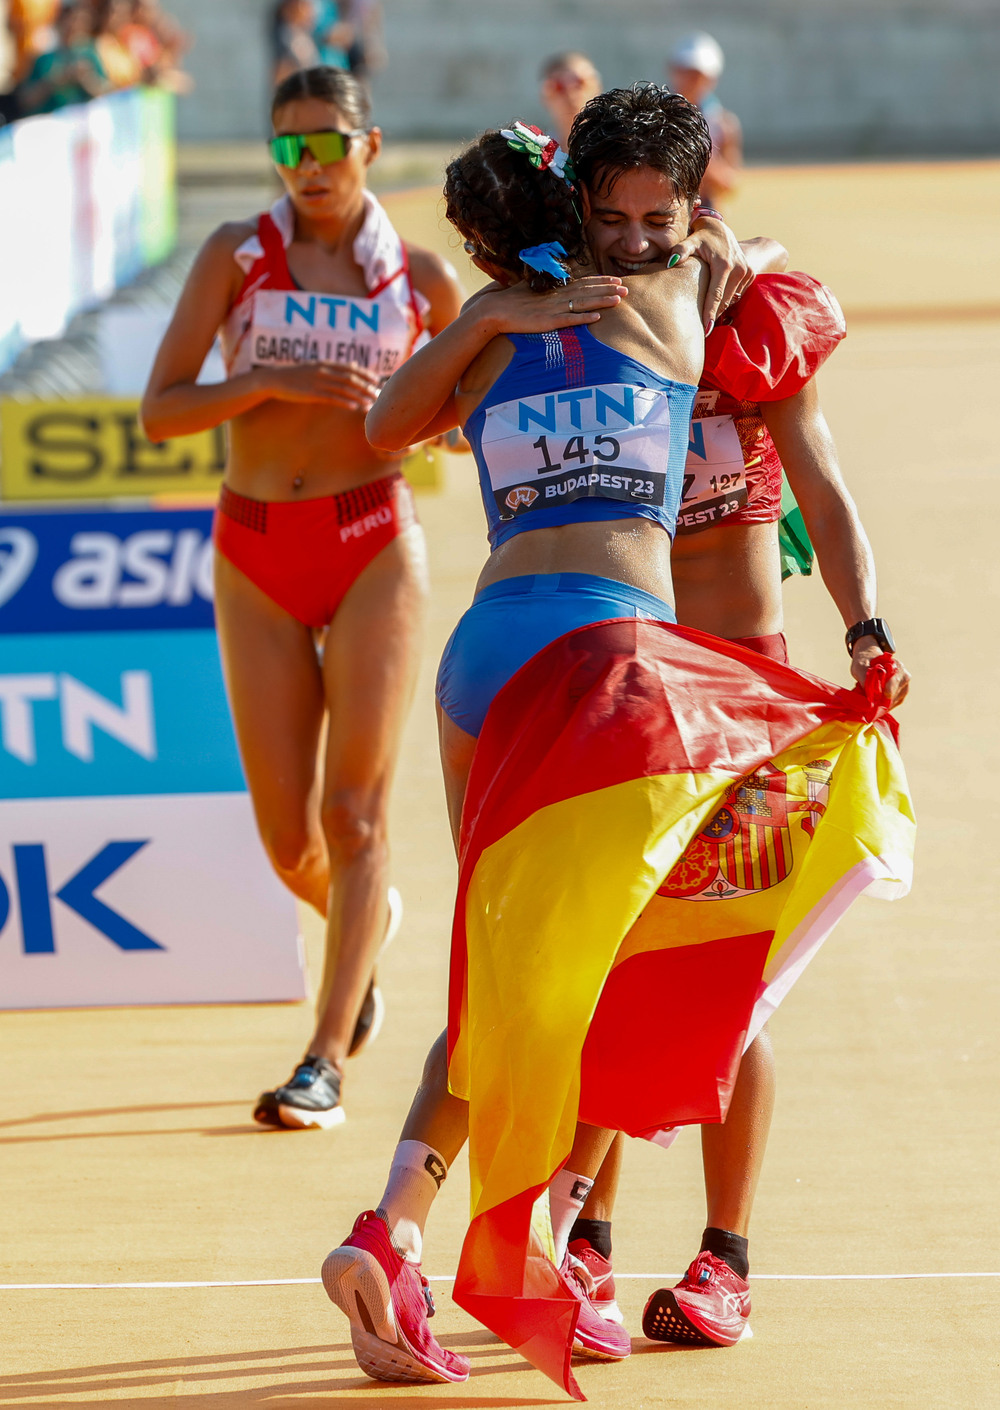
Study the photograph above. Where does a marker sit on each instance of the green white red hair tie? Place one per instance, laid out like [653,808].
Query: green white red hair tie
[542,151]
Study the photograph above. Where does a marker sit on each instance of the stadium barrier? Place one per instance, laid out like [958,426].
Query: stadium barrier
[94,190]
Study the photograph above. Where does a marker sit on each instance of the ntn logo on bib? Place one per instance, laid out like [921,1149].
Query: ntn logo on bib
[287,328]
[610,441]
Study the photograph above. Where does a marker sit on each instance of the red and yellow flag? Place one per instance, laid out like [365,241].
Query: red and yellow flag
[659,831]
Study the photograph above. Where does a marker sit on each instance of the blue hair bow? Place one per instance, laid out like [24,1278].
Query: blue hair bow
[547,259]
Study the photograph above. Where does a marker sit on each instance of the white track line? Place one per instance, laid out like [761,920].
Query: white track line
[450,1278]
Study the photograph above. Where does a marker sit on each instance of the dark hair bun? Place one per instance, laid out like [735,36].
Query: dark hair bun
[497,199]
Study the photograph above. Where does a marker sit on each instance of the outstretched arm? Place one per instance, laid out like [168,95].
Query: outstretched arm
[809,456]
[418,401]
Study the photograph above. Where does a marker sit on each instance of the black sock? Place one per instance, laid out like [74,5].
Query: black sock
[731,1248]
[597,1232]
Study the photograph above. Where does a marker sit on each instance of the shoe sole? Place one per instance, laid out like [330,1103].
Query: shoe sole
[395,920]
[355,1281]
[664,1320]
[592,1354]
[298,1119]
[610,1311]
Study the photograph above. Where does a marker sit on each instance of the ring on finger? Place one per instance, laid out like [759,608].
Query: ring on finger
[571,305]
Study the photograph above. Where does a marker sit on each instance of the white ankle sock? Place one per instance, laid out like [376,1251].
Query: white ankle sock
[415,1176]
[567,1196]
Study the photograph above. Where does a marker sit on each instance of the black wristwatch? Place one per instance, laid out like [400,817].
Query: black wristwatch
[877,627]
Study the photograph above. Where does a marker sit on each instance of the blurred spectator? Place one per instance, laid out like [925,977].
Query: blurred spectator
[333,32]
[693,70]
[72,72]
[568,82]
[293,38]
[33,29]
[120,64]
[157,44]
[367,52]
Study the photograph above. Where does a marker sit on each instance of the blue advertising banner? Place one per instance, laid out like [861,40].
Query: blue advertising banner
[131,871]
[105,571]
[117,713]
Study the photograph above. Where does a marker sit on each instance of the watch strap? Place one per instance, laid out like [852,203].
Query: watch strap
[877,627]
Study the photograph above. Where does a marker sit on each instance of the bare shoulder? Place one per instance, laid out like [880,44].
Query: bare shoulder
[228,237]
[432,274]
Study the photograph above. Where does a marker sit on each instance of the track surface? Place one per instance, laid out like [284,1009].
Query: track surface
[128,1150]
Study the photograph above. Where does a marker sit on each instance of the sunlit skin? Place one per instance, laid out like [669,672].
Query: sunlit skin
[634,222]
[318,737]
[727,581]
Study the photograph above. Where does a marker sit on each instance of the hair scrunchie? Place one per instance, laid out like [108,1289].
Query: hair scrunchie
[546,259]
[542,151]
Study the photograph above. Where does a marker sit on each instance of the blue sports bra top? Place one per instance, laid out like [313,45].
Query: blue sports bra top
[573,430]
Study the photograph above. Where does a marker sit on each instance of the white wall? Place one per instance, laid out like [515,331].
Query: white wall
[808,77]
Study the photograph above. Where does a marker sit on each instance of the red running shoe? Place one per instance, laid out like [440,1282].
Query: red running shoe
[710,1306]
[594,1335]
[599,1268]
[387,1302]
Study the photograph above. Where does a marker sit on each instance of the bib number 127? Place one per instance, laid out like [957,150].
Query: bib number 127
[605,448]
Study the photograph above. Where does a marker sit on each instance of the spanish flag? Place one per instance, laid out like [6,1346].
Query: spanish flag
[660,829]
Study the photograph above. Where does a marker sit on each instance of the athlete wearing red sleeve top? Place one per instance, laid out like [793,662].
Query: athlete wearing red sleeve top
[316,301]
[757,412]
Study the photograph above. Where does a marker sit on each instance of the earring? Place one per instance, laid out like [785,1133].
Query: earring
[468,247]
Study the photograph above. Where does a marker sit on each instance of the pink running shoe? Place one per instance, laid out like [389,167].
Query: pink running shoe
[387,1302]
[710,1306]
[599,1268]
[594,1336]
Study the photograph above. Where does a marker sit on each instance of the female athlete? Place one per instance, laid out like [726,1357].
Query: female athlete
[318,301]
[593,550]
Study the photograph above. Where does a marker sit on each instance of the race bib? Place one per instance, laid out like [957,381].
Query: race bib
[715,482]
[291,328]
[602,442]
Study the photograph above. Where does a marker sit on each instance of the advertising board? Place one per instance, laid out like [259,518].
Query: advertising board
[130,867]
[94,194]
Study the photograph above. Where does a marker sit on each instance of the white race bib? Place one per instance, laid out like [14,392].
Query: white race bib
[604,442]
[715,481]
[290,328]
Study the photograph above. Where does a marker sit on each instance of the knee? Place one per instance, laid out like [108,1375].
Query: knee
[353,826]
[294,854]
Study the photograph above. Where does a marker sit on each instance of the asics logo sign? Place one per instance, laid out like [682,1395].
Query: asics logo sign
[18,551]
[152,568]
[155,567]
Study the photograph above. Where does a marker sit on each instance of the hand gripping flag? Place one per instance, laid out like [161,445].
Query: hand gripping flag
[660,829]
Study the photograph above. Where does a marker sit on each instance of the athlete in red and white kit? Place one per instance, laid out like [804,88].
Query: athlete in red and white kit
[756,414]
[317,301]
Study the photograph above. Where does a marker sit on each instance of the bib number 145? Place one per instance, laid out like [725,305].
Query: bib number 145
[604,448]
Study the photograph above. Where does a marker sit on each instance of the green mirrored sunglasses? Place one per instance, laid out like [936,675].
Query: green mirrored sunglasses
[326,147]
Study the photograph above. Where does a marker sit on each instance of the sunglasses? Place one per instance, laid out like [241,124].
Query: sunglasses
[326,147]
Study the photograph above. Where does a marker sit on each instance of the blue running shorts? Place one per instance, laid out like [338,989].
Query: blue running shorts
[510,621]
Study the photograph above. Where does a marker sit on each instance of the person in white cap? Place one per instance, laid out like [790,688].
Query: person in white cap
[693,68]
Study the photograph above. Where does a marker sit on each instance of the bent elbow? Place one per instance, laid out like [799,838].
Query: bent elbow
[380,435]
[153,426]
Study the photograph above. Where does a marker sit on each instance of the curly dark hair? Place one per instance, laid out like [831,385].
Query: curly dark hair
[501,203]
[642,126]
[334,86]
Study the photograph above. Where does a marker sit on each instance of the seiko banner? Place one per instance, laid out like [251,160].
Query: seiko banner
[130,867]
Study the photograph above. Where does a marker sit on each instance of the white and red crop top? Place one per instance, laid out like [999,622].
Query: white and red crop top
[274,323]
[778,335]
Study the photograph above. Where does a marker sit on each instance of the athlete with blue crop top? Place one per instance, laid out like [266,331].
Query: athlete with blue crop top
[580,439]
